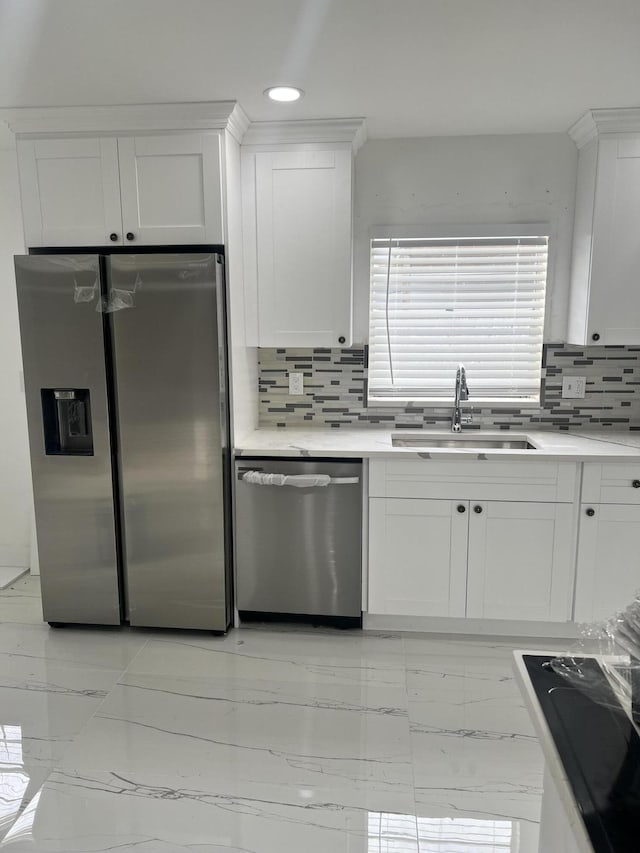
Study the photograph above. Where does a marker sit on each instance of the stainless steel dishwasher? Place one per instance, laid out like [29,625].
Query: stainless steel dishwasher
[298,537]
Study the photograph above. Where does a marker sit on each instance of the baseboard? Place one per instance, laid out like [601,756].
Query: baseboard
[10,574]
[472,627]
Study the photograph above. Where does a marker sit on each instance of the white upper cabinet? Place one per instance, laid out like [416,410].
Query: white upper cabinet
[128,175]
[147,190]
[303,209]
[70,191]
[605,297]
[170,188]
[298,212]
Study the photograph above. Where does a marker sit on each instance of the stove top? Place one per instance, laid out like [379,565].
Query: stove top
[599,748]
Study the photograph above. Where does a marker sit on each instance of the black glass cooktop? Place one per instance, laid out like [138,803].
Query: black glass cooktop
[600,750]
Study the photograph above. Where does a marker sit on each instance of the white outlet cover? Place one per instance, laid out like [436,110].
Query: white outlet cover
[296,384]
[573,387]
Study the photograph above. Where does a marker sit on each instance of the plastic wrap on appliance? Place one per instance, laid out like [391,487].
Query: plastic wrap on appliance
[84,292]
[119,298]
[615,643]
[301,481]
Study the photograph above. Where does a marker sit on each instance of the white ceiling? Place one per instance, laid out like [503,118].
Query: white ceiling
[410,67]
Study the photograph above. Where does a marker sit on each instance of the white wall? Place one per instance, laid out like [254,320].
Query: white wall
[243,360]
[15,477]
[465,180]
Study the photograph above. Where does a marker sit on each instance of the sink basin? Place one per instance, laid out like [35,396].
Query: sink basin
[463,442]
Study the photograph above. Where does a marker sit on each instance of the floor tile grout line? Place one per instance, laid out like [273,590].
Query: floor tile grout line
[140,650]
[121,672]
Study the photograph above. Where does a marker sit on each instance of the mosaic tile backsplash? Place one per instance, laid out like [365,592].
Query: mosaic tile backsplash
[334,384]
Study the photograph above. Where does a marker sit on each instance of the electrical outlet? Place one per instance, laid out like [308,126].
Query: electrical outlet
[296,384]
[573,387]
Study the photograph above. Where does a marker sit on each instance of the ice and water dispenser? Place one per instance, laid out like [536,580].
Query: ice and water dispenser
[66,414]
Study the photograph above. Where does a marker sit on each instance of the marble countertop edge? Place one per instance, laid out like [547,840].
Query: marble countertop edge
[370,443]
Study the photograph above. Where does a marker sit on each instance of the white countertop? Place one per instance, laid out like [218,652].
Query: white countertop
[627,439]
[370,442]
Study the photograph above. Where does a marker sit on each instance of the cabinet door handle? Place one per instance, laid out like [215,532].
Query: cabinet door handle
[341,339]
[636,484]
[595,336]
[591,512]
[477,508]
[131,235]
[113,236]
[461,508]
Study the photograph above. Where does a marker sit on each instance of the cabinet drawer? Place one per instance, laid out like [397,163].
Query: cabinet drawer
[472,480]
[611,483]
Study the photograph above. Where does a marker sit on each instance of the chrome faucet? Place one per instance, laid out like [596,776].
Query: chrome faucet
[462,394]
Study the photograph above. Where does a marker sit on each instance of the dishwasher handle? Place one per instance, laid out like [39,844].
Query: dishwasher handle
[301,481]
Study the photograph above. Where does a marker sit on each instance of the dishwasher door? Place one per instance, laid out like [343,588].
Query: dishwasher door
[299,550]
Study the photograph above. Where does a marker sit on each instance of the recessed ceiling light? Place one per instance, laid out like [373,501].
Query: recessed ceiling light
[283,93]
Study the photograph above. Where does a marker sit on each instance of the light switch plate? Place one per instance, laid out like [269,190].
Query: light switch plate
[296,384]
[573,387]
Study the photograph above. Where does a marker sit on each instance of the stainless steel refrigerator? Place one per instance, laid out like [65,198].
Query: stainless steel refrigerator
[125,375]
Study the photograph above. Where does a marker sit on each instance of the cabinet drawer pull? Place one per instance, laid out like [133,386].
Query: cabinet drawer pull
[591,512]
[636,484]
[113,236]
[595,336]
[462,508]
[131,235]
[477,508]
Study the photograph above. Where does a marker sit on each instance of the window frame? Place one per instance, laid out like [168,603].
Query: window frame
[469,232]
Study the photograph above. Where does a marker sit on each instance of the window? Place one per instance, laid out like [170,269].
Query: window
[436,303]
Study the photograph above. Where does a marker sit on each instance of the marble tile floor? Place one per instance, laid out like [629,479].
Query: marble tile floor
[268,740]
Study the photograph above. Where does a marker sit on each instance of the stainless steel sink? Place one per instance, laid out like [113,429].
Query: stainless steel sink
[463,442]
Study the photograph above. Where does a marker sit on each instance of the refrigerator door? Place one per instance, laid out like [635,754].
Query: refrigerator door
[170,373]
[66,394]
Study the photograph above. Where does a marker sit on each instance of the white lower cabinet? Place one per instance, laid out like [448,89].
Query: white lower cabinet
[520,561]
[474,559]
[476,540]
[608,575]
[417,557]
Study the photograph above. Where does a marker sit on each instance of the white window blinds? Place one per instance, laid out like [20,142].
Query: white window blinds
[437,303]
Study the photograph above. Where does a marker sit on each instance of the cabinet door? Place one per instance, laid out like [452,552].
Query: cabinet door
[608,574]
[521,560]
[171,189]
[303,233]
[614,297]
[70,191]
[417,557]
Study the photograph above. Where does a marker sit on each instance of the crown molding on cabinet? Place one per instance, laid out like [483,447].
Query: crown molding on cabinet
[238,123]
[348,130]
[202,115]
[597,122]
